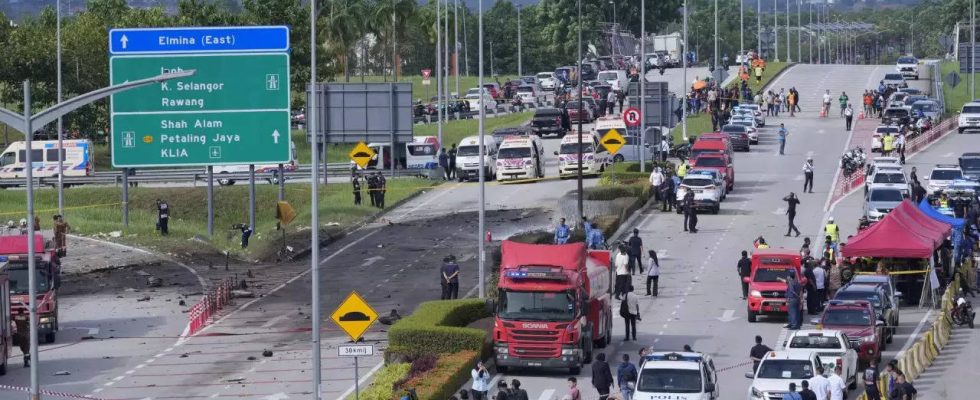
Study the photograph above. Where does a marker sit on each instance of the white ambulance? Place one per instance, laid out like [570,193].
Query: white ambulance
[595,158]
[520,157]
[78,156]
[222,172]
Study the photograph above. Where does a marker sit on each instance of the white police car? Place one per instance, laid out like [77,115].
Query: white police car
[677,376]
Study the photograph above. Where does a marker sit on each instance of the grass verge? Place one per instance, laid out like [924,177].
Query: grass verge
[955,97]
[96,211]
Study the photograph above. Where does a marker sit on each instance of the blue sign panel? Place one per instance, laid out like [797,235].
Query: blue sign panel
[223,39]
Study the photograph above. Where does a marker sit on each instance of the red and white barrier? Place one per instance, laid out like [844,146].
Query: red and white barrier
[202,313]
[49,393]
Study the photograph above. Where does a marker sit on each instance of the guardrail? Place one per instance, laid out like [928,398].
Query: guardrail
[199,175]
[202,313]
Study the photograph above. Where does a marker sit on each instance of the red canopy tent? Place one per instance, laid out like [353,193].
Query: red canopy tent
[903,233]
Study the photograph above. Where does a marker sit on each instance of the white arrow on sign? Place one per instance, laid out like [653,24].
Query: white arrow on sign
[277,396]
[728,316]
[372,260]
[124,40]
[275,136]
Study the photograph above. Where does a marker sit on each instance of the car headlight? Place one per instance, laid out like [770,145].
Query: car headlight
[569,351]
[756,392]
[868,339]
[45,320]
[755,293]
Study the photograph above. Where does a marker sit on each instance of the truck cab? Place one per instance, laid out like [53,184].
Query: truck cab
[13,253]
[677,375]
[553,306]
[767,289]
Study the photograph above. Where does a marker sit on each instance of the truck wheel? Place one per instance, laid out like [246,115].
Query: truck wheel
[49,337]
[752,316]
[715,210]
[853,385]
[502,369]
[575,370]
[587,351]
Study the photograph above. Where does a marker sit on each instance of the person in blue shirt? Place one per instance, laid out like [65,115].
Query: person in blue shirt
[791,394]
[783,132]
[562,232]
[626,377]
[595,239]
[793,292]
[586,225]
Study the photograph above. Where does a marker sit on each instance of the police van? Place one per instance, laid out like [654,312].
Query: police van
[78,159]
[520,157]
[677,376]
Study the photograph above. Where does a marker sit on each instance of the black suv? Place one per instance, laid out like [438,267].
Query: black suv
[970,165]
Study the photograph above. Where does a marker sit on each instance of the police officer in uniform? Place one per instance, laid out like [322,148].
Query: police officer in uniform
[22,339]
[372,184]
[356,182]
[562,232]
[382,188]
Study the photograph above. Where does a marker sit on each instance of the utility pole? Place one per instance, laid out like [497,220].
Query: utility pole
[315,200]
[520,69]
[483,116]
[578,88]
[61,130]
[758,17]
[716,39]
[809,35]
[775,29]
[439,108]
[789,52]
[741,28]
[799,30]
[466,47]
[687,85]
[643,81]
[456,44]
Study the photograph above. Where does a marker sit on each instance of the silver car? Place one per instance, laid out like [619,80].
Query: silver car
[929,108]
[895,80]
[880,201]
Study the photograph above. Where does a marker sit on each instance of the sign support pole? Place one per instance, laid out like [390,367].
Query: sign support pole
[643,81]
[211,201]
[31,264]
[251,196]
[357,377]
[125,197]
[282,183]
[391,113]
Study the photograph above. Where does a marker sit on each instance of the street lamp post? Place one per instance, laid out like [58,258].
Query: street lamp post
[61,132]
[758,21]
[775,30]
[686,84]
[789,52]
[25,123]
[741,29]
[315,200]
[520,69]
[799,30]
[456,44]
[716,39]
[482,173]
[643,79]
[578,88]
[439,108]
[614,11]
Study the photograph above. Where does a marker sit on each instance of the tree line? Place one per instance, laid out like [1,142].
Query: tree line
[390,38]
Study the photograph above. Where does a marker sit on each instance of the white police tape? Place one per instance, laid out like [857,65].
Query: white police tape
[50,393]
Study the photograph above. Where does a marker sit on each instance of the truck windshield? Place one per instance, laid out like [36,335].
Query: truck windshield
[19,277]
[785,369]
[847,317]
[467,151]
[572,148]
[770,274]
[537,306]
[670,381]
[514,152]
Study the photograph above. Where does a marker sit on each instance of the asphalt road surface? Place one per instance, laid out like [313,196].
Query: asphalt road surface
[699,303]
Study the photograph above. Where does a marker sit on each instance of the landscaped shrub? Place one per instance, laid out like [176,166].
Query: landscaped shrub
[382,388]
[438,327]
[451,372]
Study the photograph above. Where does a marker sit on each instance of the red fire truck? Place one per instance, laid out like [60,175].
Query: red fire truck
[13,249]
[553,306]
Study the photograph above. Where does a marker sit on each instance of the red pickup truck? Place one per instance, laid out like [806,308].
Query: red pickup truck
[720,162]
[767,293]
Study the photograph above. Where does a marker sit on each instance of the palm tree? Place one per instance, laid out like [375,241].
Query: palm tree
[345,25]
[392,17]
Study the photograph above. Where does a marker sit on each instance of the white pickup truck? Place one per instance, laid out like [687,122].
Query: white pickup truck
[834,349]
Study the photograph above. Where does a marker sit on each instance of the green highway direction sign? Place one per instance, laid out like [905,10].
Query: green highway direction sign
[234,110]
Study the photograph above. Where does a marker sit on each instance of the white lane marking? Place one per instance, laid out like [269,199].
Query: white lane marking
[140,366]
[779,211]
[97,390]
[546,395]
[798,178]
[914,335]
[947,155]
[662,253]
[130,372]
[727,316]
[213,396]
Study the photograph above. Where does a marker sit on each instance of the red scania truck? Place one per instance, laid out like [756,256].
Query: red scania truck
[553,306]
[13,250]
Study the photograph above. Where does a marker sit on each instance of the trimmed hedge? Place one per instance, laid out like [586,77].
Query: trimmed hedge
[438,327]
[383,386]
[629,173]
[451,372]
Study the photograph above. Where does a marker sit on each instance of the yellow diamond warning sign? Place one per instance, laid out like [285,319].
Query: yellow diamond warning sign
[354,316]
[612,141]
[361,155]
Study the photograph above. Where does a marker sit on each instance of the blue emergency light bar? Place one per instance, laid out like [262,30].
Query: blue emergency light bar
[673,357]
[524,274]
[3,258]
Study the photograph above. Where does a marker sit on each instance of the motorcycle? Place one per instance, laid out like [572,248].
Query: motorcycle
[962,312]
[852,160]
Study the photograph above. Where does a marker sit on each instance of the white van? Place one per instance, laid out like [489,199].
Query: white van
[421,153]
[520,157]
[78,155]
[468,158]
[238,169]
[595,158]
[616,78]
